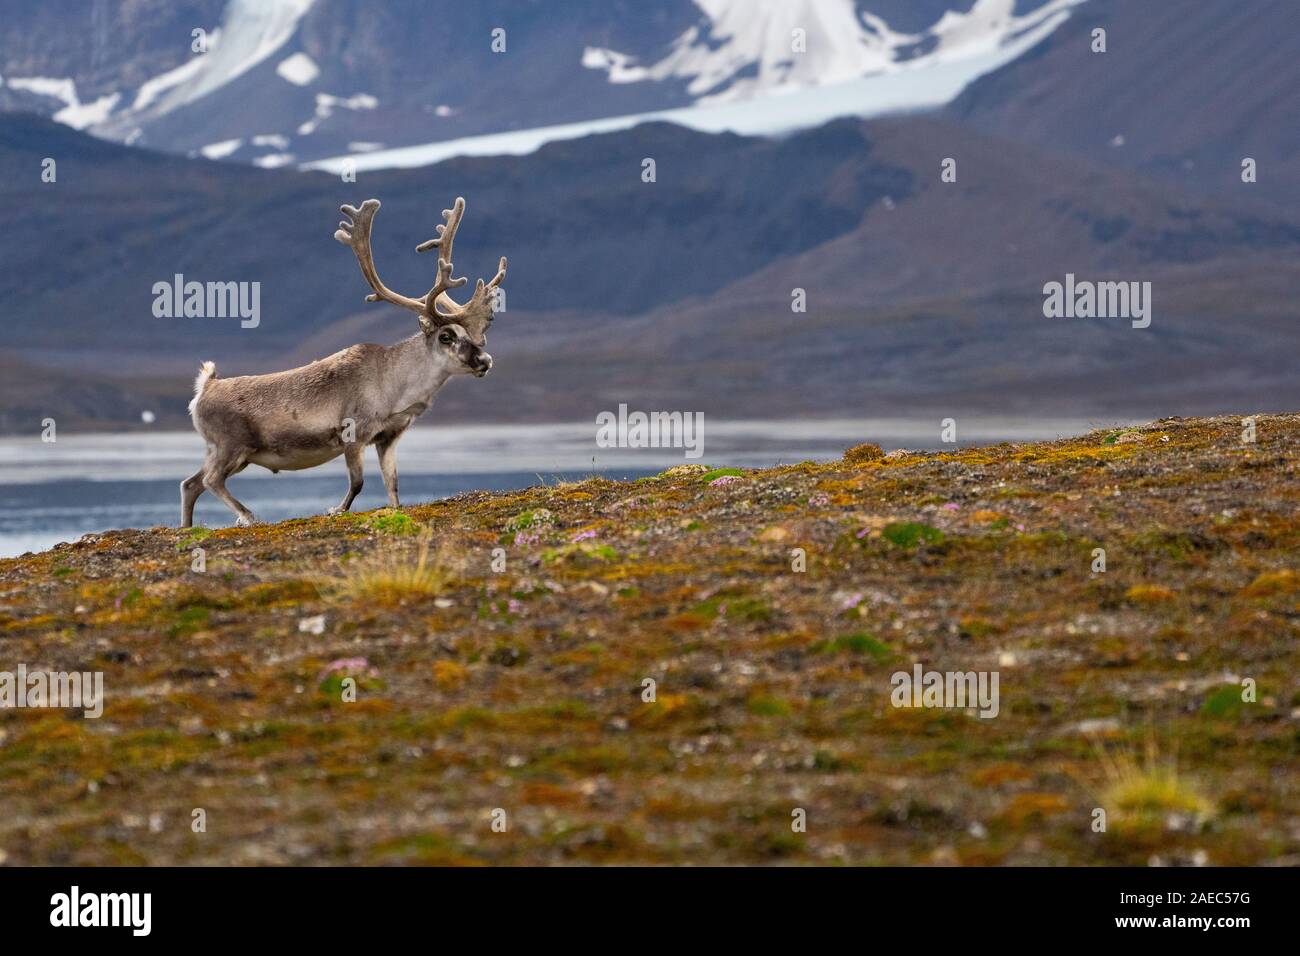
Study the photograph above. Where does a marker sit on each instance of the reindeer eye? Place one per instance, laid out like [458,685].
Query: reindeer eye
[445,338]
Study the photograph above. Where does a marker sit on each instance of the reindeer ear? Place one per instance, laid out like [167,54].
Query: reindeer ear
[427,325]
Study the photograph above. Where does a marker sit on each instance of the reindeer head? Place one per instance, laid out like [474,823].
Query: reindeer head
[436,309]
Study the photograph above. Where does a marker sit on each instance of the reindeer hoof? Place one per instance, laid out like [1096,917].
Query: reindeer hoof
[337,510]
[245,521]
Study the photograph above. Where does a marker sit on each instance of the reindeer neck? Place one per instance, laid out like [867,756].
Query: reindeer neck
[416,372]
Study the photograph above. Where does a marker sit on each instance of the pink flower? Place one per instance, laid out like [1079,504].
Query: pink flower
[584,535]
[349,667]
[726,480]
[852,601]
[951,506]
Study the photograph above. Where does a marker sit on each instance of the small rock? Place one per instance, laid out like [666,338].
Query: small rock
[679,470]
[1099,725]
[312,625]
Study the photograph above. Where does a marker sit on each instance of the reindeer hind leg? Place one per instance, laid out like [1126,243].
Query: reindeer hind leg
[191,488]
[215,473]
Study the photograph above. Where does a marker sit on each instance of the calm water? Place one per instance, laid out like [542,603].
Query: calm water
[53,492]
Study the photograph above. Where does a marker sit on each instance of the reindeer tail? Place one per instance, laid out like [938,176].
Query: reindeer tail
[206,371]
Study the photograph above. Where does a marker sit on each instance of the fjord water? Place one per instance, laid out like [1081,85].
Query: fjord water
[58,491]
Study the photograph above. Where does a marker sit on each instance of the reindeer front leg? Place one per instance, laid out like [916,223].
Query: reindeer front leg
[388,467]
[352,455]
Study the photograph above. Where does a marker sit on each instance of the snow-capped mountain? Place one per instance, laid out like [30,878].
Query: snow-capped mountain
[280,82]
[746,48]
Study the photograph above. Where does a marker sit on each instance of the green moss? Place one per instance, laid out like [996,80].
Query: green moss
[909,534]
[1175,545]
[276,593]
[193,537]
[191,620]
[859,643]
[535,518]
[390,522]
[580,549]
[733,608]
[1224,702]
[767,705]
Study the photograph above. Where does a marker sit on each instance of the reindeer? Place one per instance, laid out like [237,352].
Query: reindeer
[364,395]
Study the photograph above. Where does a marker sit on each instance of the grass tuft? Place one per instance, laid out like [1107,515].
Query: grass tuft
[1147,790]
[394,574]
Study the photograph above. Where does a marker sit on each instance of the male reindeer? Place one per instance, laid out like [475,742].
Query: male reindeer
[364,395]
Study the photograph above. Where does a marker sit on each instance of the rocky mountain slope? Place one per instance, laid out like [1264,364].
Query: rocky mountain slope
[1184,91]
[921,294]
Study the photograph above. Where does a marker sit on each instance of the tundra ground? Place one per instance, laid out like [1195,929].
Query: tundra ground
[1161,690]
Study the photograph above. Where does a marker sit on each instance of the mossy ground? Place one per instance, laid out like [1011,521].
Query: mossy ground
[523,689]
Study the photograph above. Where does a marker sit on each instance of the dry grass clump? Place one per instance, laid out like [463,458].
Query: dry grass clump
[859,454]
[1148,790]
[395,573]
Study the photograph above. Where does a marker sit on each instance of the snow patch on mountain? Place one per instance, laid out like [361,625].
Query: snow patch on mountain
[326,104]
[64,90]
[151,89]
[74,113]
[82,115]
[747,48]
[251,31]
[299,69]
[222,149]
